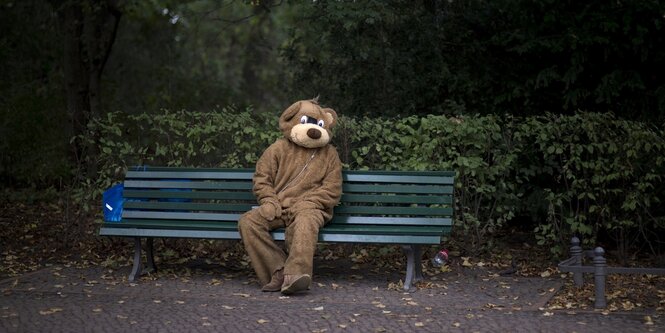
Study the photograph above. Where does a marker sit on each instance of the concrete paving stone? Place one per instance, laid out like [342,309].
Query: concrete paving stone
[68,299]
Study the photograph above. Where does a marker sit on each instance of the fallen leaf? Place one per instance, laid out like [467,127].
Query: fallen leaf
[50,311]
[465,262]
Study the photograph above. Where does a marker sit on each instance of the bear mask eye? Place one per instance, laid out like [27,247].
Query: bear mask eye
[310,120]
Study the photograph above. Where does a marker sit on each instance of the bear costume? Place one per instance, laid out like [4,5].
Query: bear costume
[297,182]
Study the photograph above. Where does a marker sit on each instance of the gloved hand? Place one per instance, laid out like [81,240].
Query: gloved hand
[270,210]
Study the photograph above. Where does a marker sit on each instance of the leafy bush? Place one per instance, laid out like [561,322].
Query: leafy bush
[601,175]
[589,174]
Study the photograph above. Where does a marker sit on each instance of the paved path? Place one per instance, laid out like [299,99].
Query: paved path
[218,299]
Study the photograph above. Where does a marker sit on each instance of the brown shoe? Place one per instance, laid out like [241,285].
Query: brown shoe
[295,283]
[276,281]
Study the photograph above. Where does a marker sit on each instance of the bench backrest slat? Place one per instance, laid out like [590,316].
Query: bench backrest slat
[198,185]
[229,175]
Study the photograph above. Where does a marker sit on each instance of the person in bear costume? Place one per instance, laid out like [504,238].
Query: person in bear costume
[297,182]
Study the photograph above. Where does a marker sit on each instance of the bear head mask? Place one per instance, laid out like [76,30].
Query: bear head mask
[307,124]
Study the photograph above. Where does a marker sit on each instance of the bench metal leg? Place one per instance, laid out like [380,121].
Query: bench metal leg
[419,267]
[136,269]
[414,270]
[149,256]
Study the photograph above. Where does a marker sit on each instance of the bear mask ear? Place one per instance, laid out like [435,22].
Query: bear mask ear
[331,116]
[285,118]
[290,112]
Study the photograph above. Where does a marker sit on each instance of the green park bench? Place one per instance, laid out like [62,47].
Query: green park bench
[408,208]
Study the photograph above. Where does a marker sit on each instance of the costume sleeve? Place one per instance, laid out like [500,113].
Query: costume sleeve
[329,193]
[264,177]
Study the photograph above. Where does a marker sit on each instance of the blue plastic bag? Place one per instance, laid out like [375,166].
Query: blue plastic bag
[112,202]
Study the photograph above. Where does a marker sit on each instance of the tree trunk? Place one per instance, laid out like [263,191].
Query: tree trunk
[76,75]
[90,29]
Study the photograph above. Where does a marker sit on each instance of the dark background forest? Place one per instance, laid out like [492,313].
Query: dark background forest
[558,106]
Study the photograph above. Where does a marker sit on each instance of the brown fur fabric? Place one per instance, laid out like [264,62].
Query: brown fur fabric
[298,181]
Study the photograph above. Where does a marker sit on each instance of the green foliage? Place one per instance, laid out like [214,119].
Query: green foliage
[519,56]
[590,175]
[601,175]
[479,149]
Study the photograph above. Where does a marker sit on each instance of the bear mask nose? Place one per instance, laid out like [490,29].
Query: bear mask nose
[314,133]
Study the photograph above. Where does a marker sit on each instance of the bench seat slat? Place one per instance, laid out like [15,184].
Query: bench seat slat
[277,235]
[232,226]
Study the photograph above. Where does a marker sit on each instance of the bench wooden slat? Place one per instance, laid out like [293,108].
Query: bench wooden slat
[166,194]
[412,189]
[395,211]
[330,228]
[347,188]
[323,237]
[416,221]
[189,175]
[337,220]
[199,185]
[410,199]
[396,179]
[175,215]
[188,206]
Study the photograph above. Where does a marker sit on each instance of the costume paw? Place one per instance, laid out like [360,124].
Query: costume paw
[276,282]
[295,283]
[270,210]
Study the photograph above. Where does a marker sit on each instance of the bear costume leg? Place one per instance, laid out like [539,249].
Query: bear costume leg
[266,256]
[302,234]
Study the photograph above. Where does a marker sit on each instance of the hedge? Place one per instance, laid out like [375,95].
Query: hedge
[589,174]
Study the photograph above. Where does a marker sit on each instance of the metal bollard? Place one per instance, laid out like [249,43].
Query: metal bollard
[576,254]
[600,264]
